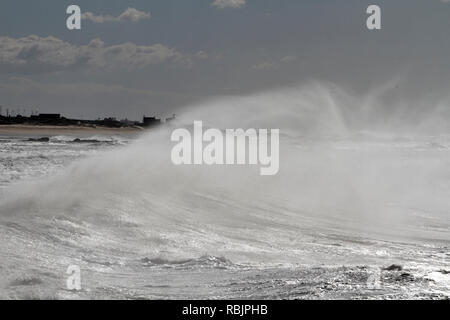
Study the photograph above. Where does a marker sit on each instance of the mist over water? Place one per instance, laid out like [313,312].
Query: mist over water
[361,182]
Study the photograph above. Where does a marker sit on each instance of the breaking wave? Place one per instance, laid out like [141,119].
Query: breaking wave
[358,183]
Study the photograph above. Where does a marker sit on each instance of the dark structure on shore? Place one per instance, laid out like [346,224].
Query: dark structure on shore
[54,119]
[148,122]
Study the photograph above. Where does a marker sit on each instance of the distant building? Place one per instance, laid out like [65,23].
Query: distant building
[128,122]
[49,116]
[55,119]
[171,118]
[150,122]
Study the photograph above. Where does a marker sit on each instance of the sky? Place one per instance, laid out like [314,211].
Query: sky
[153,57]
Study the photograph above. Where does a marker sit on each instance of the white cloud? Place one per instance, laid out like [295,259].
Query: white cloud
[131,14]
[228,3]
[36,54]
[201,55]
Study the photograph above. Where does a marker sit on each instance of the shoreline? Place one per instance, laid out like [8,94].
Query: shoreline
[23,130]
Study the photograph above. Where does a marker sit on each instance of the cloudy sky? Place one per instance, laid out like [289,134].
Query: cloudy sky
[136,57]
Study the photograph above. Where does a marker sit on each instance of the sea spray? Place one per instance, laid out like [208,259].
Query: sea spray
[335,178]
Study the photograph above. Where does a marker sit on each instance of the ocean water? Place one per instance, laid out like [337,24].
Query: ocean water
[346,204]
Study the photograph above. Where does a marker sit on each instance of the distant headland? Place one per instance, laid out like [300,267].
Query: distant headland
[55,119]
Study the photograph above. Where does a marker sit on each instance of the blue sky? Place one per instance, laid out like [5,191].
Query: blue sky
[188,51]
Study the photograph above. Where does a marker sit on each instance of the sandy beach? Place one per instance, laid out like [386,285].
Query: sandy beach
[65,130]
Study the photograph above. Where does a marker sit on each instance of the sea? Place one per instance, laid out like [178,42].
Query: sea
[352,214]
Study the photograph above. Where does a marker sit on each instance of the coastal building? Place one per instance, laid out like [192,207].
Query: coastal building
[171,118]
[55,119]
[49,116]
[150,122]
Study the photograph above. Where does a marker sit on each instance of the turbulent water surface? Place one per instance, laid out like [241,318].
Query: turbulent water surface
[343,208]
